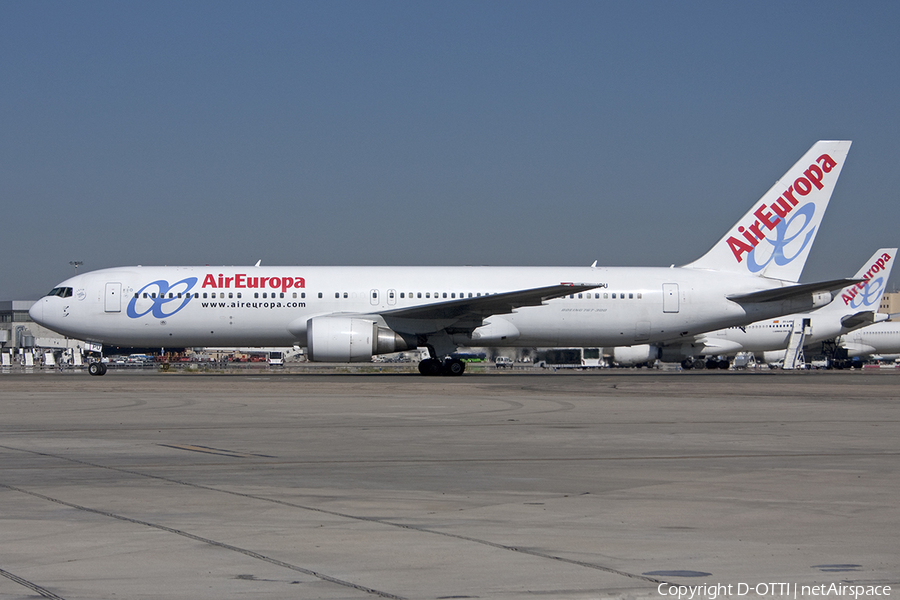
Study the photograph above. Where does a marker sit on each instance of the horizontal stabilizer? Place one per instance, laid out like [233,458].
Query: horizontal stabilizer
[862,319]
[793,291]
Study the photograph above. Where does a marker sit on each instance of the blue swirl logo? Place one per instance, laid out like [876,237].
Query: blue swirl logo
[869,295]
[782,240]
[162,294]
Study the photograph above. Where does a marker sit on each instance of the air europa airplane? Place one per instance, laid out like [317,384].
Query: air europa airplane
[349,314]
[779,339]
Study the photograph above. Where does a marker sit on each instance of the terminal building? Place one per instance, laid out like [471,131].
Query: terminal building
[24,342]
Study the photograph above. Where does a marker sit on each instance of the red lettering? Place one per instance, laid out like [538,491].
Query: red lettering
[208,281]
[802,186]
[765,217]
[738,248]
[301,283]
[789,194]
[220,280]
[748,236]
[228,281]
[782,208]
[756,231]
[846,298]
[826,162]
[253,282]
[275,282]
[239,280]
[286,282]
[814,174]
[262,281]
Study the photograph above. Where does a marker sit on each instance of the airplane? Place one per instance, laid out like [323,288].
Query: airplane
[349,314]
[778,339]
[880,338]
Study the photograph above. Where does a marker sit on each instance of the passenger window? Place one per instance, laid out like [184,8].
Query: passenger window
[445,294]
[320,294]
[630,295]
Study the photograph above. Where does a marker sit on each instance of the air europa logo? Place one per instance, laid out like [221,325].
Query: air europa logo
[868,292]
[773,215]
[162,296]
[243,281]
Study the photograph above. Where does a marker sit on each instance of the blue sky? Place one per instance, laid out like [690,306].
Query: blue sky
[421,133]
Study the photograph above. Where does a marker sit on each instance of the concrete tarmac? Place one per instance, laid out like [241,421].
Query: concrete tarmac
[560,486]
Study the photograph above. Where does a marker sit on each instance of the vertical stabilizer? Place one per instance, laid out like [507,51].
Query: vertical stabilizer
[775,236]
[866,296]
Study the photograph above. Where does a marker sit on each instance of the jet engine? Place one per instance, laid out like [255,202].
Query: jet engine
[635,355]
[352,339]
[772,357]
[857,349]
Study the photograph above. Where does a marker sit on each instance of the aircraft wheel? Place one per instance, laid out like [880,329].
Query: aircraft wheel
[724,364]
[454,367]
[96,369]
[429,367]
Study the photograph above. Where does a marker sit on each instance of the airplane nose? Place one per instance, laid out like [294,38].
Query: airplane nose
[36,312]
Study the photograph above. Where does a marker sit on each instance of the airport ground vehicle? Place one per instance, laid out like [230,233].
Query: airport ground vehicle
[570,358]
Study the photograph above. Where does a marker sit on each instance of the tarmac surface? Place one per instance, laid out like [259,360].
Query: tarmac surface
[615,484]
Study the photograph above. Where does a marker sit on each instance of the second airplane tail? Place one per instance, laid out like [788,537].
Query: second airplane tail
[775,236]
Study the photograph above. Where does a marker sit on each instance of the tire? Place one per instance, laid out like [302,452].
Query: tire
[430,367]
[454,367]
[96,369]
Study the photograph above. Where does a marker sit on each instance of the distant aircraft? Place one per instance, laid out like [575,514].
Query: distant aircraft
[349,314]
[779,339]
[878,339]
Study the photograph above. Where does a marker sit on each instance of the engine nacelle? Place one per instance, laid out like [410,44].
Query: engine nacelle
[821,299]
[635,355]
[772,357]
[855,349]
[352,339]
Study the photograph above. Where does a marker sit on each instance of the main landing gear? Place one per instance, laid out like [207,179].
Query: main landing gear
[448,366]
[97,368]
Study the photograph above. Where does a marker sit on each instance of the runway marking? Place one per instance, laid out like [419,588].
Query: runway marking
[191,536]
[45,593]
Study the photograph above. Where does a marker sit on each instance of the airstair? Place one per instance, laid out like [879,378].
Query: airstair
[793,357]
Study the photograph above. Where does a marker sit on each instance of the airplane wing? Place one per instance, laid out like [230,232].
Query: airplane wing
[469,313]
[793,291]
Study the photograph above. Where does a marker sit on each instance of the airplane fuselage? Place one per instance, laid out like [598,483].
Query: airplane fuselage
[270,306]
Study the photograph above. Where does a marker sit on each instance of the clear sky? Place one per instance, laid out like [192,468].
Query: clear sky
[426,133]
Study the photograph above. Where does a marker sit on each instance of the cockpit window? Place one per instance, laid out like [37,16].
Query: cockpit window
[62,292]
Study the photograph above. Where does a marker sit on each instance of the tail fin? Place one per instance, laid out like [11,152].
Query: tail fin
[866,296]
[775,236]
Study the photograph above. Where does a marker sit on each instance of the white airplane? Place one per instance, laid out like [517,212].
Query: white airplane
[349,314]
[778,339]
[880,338]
